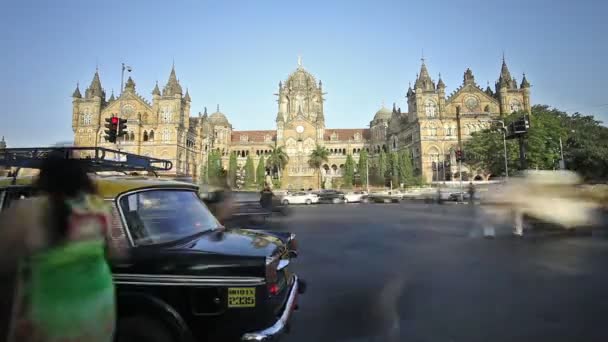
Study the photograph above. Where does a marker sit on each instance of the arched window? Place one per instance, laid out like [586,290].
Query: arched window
[145,135]
[151,135]
[166,135]
[448,130]
[87,118]
[429,109]
[132,136]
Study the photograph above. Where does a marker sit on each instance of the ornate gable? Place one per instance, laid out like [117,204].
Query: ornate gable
[471,99]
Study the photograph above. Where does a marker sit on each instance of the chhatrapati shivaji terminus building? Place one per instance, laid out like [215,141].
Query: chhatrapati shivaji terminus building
[163,126]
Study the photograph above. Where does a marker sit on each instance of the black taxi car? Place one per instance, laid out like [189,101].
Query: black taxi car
[188,278]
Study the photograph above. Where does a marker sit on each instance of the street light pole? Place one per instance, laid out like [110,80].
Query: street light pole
[504,144]
[367,173]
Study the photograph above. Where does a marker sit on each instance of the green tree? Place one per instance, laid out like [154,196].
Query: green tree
[317,157]
[349,172]
[232,166]
[406,168]
[362,167]
[261,172]
[202,174]
[380,169]
[394,168]
[249,172]
[277,159]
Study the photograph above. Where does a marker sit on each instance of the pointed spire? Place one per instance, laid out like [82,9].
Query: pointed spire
[187,96]
[76,93]
[468,77]
[205,112]
[410,92]
[112,98]
[130,85]
[280,85]
[489,90]
[299,62]
[218,108]
[394,107]
[524,82]
[2,143]
[505,76]
[440,84]
[424,81]
[172,87]
[320,84]
[156,91]
[95,88]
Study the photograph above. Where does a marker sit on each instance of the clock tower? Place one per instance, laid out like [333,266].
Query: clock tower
[300,124]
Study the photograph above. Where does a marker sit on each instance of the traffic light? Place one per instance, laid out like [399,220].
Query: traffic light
[122,127]
[111,129]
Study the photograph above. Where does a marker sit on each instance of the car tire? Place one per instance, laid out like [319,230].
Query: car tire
[308,202]
[345,200]
[142,328]
[285,202]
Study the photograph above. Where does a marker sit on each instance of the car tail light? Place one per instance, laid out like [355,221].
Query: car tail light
[272,278]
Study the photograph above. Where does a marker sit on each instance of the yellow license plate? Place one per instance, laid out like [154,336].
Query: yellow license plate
[241,297]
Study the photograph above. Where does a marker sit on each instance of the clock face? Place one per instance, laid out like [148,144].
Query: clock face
[471,103]
[127,109]
[300,129]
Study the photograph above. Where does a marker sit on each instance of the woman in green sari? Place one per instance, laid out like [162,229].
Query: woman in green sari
[64,289]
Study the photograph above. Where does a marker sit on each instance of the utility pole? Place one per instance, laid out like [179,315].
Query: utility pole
[367,173]
[504,143]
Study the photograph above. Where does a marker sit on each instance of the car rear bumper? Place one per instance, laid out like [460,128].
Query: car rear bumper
[273,332]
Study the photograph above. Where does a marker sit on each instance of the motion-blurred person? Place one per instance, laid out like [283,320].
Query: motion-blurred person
[266,196]
[471,192]
[64,290]
[545,196]
[220,203]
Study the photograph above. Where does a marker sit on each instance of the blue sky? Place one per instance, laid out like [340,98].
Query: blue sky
[235,53]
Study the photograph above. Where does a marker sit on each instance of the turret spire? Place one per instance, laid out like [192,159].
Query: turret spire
[424,81]
[187,96]
[156,91]
[76,93]
[112,98]
[2,143]
[524,82]
[95,88]
[173,87]
[440,84]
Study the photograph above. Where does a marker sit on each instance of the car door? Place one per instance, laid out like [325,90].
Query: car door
[299,198]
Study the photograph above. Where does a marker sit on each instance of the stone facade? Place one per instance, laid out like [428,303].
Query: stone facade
[430,128]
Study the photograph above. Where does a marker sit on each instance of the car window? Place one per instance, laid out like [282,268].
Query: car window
[160,216]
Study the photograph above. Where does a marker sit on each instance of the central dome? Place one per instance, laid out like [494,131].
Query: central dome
[301,78]
[383,114]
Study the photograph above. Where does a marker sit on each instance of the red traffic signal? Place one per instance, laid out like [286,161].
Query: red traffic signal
[114,120]
[111,129]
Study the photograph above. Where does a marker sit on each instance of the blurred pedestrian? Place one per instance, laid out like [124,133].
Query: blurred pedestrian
[471,192]
[266,196]
[64,288]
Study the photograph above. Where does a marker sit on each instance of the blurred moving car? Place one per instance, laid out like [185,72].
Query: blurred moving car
[356,197]
[331,196]
[300,197]
[392,196]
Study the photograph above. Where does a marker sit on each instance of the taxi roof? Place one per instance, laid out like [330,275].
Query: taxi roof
[110,187]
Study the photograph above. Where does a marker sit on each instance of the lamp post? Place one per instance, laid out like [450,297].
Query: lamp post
[504,144]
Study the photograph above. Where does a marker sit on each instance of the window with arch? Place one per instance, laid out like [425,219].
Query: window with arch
[151,136]
[449,130]
[145,135]
[166,134]
[430,109]
[132,136]
[87,117]
[166,114]
[433,155]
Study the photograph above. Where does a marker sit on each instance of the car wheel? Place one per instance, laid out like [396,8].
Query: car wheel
[308,202]
[141,328]
[335,200]
[285,202]
[345,200]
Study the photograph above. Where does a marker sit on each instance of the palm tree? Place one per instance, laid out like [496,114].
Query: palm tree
[317,157]
[278,159]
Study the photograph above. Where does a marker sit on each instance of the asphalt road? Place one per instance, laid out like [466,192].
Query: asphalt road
[418,272]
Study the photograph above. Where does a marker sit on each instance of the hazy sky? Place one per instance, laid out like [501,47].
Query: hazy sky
[235,53]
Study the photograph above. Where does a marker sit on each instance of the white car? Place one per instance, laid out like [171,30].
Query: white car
[300,198]
[355,196]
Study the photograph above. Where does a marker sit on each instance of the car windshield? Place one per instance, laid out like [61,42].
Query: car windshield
[160,216]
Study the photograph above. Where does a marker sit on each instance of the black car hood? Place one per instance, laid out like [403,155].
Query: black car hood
[239,242]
